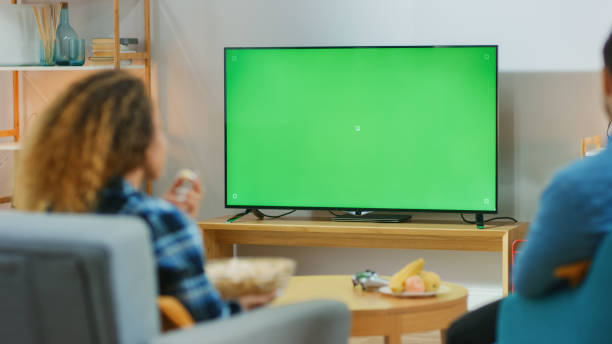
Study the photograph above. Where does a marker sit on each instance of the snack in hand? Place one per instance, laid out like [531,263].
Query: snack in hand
[188,177]
[397,281]
[414,284]
[187,174]
[431,280]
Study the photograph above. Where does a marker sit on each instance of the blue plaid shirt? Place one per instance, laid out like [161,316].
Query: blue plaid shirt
[177,245]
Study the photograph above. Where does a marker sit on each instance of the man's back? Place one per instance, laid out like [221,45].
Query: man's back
[574,215]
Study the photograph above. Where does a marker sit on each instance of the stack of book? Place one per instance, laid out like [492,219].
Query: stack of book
[103,50]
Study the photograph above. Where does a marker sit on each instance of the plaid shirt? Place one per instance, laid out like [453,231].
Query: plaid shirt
[177,246]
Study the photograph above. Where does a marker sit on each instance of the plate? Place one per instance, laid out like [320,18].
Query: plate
[387,291]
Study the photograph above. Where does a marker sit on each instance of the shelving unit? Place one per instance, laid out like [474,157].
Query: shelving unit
[10,146]
[63,68]
[15,132]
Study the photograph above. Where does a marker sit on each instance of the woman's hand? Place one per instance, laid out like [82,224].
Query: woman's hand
[188,201]
[250,302]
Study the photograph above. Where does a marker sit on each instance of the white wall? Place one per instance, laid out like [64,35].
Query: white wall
[550,57]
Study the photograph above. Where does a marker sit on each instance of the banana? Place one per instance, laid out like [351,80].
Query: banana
[397,281]
[431,280]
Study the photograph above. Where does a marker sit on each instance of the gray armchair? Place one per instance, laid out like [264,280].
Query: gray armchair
[91,279]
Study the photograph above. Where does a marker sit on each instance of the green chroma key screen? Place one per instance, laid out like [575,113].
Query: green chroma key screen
[412,128]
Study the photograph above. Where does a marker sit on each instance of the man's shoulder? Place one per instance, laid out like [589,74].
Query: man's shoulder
[586,176]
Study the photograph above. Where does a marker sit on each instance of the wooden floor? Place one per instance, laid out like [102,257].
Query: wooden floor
[417,338]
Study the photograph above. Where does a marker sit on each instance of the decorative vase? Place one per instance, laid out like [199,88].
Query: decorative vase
[65,34]
[47,21]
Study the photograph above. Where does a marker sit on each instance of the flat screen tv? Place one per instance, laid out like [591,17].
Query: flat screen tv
[401,128]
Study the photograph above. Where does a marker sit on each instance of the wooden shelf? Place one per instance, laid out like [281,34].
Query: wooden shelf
[10,146]
[63,68]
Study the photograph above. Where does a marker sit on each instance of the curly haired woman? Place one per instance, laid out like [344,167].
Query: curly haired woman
[91,151]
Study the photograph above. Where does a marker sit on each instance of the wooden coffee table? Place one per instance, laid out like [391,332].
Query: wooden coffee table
[374,314]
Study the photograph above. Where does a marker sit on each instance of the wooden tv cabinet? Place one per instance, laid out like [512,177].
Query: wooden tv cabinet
[219,236]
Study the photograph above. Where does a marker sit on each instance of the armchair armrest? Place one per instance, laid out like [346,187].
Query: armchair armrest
[173,314]
[323,322]
[574,273]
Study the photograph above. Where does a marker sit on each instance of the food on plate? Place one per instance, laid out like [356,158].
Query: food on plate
[414,284]
[397,281]
[431,280]
[412,278]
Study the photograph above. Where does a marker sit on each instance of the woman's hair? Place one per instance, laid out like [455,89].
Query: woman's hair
[99,128]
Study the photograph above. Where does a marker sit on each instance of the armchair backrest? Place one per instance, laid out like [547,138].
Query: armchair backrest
[76,279]
[579,315]
[594,294]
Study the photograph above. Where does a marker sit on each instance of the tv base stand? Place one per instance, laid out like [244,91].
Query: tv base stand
[372,217]
[258,214]
[479,221]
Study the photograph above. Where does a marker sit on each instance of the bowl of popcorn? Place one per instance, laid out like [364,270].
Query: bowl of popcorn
[236,277]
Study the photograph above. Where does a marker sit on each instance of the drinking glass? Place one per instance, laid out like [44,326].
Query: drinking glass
[77,52]
[47,53]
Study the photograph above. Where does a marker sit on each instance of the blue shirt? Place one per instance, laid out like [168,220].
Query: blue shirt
[177,246]
[575,215]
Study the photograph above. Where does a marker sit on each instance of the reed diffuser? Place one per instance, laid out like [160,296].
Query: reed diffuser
[47,19]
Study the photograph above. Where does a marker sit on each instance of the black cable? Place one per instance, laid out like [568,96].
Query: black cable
[502,218]
[331,212]
[466,220]
[277,216]
[491,219]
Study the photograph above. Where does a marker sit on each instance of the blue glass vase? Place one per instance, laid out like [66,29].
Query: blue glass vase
[65,33]
[48,60]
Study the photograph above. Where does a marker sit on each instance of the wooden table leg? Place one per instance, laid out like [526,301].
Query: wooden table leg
[508,239]
[394,338]
[215,249]
[506,261]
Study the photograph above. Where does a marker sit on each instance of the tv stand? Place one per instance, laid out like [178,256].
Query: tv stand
[372,217]
[219,236]
[479,221]
[258,214]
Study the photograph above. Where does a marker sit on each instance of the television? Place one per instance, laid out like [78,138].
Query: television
[389,128]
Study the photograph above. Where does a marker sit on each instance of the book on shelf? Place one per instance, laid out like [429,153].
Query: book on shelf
[102,47]
[103,41]
[109,43]
[105,61]
[103,51]
[109,53]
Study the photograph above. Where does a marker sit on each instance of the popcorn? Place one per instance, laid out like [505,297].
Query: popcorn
[237,277]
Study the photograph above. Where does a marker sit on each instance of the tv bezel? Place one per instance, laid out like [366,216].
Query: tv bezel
[496,46]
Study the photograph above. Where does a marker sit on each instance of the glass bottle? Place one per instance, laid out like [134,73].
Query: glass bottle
[65,33]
